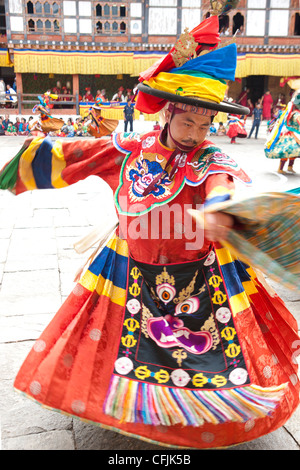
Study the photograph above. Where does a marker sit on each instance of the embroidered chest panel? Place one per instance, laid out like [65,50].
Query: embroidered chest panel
[146,181]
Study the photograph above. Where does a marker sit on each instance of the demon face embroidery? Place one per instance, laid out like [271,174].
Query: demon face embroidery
[143,171]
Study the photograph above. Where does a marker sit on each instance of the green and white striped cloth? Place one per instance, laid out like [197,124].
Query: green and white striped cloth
[269,238]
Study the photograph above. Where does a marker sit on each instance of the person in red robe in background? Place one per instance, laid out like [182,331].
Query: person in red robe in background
[244,99]
[88,95]
[267,102]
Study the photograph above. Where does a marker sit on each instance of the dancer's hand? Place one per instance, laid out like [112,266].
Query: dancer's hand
[27,142]
[217,226]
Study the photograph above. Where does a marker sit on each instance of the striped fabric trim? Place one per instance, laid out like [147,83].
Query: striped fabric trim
[41,165]
[217,195]
[237,280]
[107,275]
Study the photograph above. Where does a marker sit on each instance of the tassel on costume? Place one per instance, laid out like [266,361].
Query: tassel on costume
[135,402]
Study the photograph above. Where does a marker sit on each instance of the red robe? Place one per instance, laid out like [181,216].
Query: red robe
[267,106]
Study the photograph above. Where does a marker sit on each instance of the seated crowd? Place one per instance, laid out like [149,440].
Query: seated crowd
[22,127]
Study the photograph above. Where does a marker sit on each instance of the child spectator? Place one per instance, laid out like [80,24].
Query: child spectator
[11,130]
[212,129]
[221,129]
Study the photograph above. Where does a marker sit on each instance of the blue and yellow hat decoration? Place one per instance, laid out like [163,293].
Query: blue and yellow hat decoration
[194,73]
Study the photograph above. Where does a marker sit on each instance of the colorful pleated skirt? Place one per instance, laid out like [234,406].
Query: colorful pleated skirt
[192,355]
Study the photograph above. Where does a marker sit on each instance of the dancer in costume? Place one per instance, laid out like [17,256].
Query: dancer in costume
[46,122]
[236,128]
[284,140]
[167,336]
[99,126]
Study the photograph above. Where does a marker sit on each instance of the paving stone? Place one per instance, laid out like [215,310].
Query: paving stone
[23,327]
[54,440]
[277,440]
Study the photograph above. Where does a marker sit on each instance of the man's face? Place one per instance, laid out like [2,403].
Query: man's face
[189,129]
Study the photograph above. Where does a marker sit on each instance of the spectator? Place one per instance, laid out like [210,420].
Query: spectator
[76,124]
[156,126]
[100,95]
[119,95]
[221,129]
[128,112]
[11,94]
[79,131]
[6,122]
[2,92]
[212,129]
[103,93]
[17,123]
[267,102]
[256,120]
[2,130]
[11,130]
[88,95]
[22,130]
[70,128]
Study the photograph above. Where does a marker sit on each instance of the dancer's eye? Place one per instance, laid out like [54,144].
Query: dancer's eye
[188,306]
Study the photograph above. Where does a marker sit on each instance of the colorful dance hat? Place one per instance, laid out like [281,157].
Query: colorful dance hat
[195,73]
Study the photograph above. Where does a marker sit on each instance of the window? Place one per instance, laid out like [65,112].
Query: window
[16,23]
[48,25]
[15,6]
[98,10]
[135,27]
[190,18]
[47,8]
[99,27]
[122,10]
[106,26]
[38,7]
[85,26]
[31,26]
[238,24]
[223,24]
[135,10]
[56,25]
[162,20]
[69,8]
[70,25]
[256,4]
[106,10]
[297,25]
[123,28]
[256,22]
[29,8]
[84,9]
[39,25]
[55,8]
[279,22]
[114,10]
